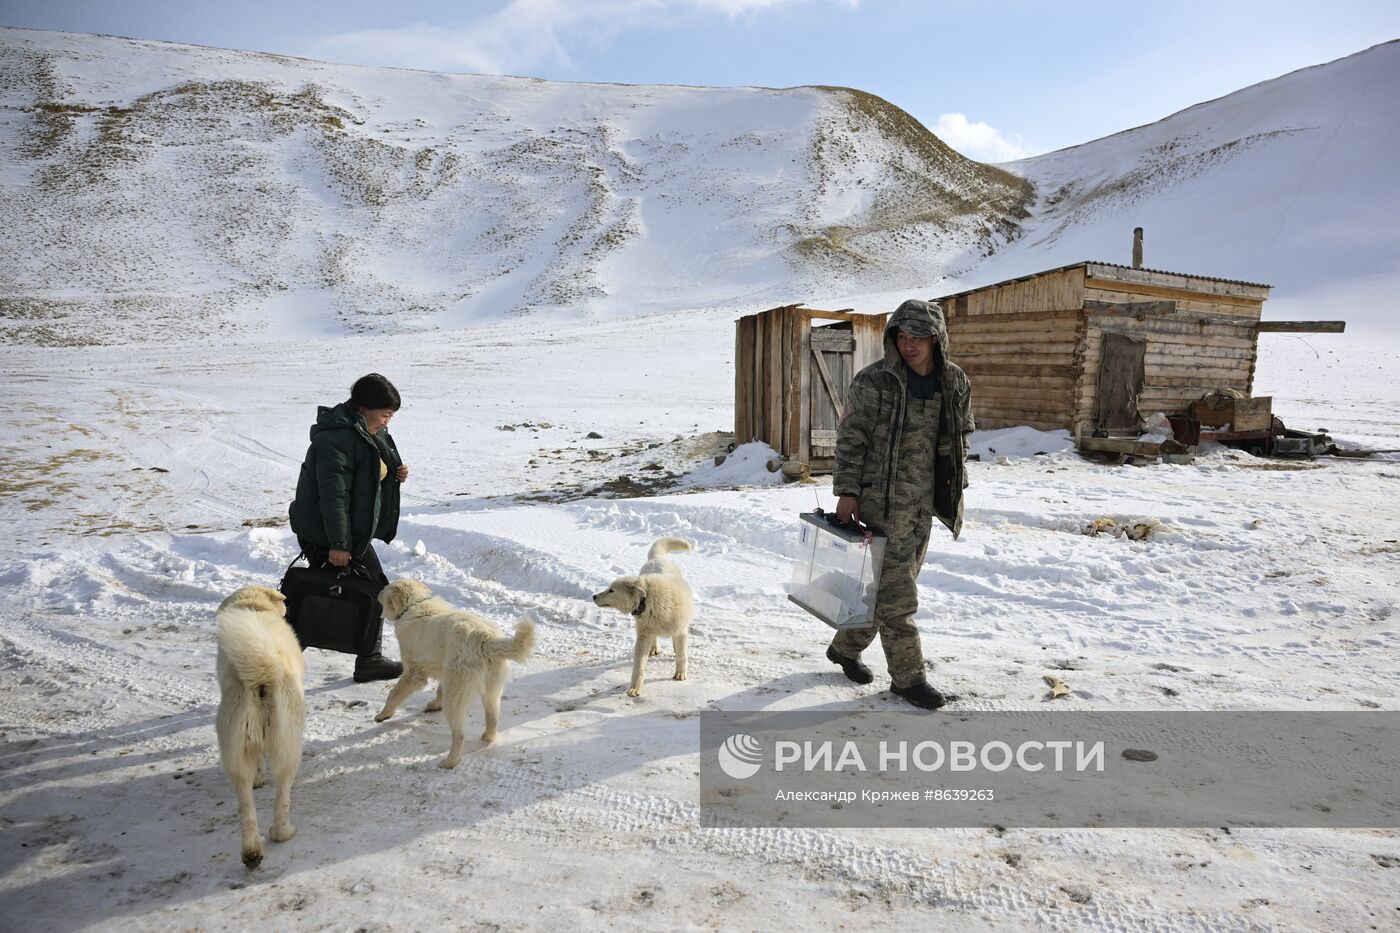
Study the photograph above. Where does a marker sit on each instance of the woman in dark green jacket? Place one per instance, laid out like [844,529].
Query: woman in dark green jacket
[348,494]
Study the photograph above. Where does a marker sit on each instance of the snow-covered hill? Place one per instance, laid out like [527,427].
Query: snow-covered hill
[171,190]
[1290,182]
[163,190]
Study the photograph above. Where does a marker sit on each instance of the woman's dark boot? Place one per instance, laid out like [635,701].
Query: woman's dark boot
[376,667]
[372,665]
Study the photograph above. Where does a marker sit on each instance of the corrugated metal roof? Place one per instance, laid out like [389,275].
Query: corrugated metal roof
[1187,275]
[1095,262]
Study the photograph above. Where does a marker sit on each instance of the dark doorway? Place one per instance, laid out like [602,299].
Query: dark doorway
[1120,382]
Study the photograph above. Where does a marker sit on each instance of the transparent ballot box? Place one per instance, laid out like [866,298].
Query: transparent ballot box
[837,572]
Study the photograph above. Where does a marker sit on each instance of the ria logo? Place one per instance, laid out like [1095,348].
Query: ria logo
[741,756]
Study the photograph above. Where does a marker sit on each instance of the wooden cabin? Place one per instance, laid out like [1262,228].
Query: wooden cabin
[1091,345]
[793,367]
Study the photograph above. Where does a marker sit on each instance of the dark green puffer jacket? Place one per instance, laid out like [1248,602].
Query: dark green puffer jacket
[341,503]
[867,439]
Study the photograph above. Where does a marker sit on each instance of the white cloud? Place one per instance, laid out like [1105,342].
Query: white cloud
[734,8]
[521,35]
[978,140]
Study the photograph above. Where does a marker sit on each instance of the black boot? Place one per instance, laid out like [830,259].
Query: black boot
[921,694]
[372,665]
[376,667]
[852,668]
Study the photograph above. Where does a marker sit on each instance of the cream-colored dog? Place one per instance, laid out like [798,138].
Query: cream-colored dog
[661,602]
[262,709]
[465,653]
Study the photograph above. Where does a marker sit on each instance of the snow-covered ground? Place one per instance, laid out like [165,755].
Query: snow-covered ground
[138,472]
[148,476]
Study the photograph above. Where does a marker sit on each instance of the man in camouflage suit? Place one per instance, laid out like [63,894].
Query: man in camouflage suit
[900,452]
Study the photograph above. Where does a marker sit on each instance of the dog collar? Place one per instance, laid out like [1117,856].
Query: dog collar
[420,599]
[641,607]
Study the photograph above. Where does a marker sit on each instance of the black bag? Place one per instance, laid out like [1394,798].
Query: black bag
[336,608]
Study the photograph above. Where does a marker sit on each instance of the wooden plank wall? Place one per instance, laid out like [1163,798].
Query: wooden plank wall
[869,331]
[759,389]
[790,420]
[800,420]
[775,344]
[773,371]
[773,378]
[1063,288]
[1140,281]
[1185,359]
[743,378]
[1032,351]
[1209,341]
[1022,366]
[1019,345]
[1188,303]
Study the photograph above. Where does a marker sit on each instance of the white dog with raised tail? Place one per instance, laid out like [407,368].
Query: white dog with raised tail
[262,709]
[660,601]
[463,651]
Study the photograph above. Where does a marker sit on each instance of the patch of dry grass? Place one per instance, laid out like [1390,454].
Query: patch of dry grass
[922,182]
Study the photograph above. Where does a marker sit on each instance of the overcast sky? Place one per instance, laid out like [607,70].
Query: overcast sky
[997,79]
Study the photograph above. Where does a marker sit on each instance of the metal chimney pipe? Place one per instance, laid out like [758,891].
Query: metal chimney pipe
[1137,247]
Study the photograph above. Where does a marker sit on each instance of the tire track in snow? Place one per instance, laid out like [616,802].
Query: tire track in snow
[567,810]
[68,656]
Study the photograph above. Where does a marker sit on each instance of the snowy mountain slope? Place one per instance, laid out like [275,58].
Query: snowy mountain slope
[189,190]
[177,190]
[1290,182]
[896,204]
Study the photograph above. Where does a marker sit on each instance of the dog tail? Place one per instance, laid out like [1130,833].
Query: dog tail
[250,648]
[265,717]
[668,545]
[516,648]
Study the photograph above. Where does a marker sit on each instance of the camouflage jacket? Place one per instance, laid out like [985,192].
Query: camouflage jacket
[867,439]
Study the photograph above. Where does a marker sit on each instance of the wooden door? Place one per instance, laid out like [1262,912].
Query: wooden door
[1120,382]
[831,362]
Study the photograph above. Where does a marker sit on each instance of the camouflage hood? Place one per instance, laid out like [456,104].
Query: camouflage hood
[922,319]
[868,437]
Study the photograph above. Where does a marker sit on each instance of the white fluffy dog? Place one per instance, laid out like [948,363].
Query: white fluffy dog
[262,709]
[465,653]
[661,602]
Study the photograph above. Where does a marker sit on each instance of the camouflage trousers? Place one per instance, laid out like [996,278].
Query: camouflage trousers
[907,534]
